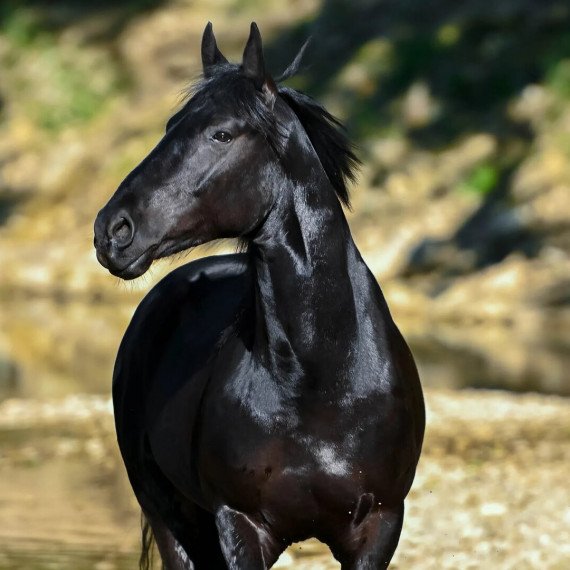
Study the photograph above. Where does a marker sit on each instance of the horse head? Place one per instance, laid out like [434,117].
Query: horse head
[209,177]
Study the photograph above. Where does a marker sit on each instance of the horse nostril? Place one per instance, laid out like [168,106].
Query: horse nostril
[122,231]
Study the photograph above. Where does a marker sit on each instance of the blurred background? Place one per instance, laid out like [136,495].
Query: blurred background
[461,115]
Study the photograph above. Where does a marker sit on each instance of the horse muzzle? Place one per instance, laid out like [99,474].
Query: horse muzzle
[114,236]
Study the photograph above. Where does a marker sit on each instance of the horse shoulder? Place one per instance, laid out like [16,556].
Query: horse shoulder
[173,333]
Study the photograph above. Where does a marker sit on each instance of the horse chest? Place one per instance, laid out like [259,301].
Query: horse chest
[233,435]
[286,476]
[262,452]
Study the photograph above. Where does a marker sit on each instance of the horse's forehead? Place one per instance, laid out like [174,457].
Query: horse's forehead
[210,101]
[206,114]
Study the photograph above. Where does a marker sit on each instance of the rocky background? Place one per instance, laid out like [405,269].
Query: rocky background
[461,115]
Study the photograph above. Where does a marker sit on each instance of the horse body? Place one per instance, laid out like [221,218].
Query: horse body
[267,397]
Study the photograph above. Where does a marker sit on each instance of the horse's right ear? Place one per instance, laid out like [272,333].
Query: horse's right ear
[211,55]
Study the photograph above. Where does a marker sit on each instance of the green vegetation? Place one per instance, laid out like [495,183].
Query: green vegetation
[556,63]
[21,28]
[558,77]
[482,179]
[58,81]
[67,90]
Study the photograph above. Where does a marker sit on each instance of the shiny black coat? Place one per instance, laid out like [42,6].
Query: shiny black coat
[265,397]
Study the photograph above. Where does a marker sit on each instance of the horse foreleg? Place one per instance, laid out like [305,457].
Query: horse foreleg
[374,541]
[172,553]
[245,545]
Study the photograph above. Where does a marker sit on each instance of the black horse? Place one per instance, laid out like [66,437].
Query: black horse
[265,397]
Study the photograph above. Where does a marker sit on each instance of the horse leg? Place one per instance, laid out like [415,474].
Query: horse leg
[172,553]
[197,547]
[374,541]
[246,546]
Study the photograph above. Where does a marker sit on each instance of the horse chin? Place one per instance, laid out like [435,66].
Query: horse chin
[135,269]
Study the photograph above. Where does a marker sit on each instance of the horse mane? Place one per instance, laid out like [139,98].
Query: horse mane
[326,132]
[225,83]
[328,137]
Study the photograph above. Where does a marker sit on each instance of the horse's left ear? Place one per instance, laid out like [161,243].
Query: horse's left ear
[253,66]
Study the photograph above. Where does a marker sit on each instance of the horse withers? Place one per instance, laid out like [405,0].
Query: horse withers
[264,397]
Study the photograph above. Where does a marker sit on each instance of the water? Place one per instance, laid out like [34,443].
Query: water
[63,557]
[64,499]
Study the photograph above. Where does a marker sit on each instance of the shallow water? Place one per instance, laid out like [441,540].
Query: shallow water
[64,503]
[51,557]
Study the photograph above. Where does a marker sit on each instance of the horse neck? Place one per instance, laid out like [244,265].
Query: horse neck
[304,256]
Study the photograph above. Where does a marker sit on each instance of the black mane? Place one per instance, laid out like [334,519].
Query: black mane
[227,87]
[328,138]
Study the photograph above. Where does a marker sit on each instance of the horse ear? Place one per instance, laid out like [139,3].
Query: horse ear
[253,65]
[211,55]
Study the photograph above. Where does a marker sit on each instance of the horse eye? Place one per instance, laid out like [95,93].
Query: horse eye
[222,136]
